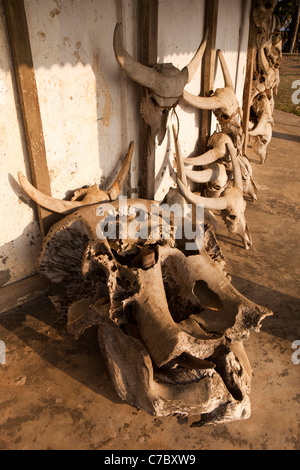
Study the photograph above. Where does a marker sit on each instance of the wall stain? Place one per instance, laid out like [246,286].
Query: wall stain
[41,35]
[102,88]
[54,12]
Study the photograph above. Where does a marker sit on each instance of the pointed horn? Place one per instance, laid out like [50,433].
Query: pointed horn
[203,176]
[219,203]
[145,76]
[226,74]
[196,60]
[237,175]
[179,161]
[262,60]
[206,158]
[51,203]
[116,187]
[260,128]
[201,102]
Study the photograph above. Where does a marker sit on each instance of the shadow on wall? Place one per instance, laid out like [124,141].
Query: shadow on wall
[23,249]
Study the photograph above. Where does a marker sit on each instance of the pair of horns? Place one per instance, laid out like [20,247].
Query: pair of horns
[161,84]
[218,143]
[211,102]
[219,203]
[62,207]
[203,176]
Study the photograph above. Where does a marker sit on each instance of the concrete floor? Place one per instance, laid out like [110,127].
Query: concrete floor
[55,392]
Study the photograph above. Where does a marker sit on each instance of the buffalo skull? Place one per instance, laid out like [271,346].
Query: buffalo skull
[164,83]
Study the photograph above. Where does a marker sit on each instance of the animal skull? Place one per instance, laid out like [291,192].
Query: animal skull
[223,102]
[231,204]
[262,133]
[164,83]
[170,325]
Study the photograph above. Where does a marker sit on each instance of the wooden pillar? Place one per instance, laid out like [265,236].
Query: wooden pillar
[148,37]
[27,90]
[251,55]
[208,67]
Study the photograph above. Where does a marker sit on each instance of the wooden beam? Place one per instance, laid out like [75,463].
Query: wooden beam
[23,291]
[26,84]
[251,55]
[148,38]
[208,67]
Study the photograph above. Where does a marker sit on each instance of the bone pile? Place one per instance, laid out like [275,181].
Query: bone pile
[226,174]
[265,75]
[170,325]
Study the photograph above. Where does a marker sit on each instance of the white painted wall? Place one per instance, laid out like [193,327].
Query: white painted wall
[19,231]
[89,109]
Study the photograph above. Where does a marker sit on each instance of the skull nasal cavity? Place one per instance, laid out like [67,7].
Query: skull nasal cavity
[207,297]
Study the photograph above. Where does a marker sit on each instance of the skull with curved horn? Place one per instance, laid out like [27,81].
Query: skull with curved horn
[231,204]
[223,102]
[262,132]
[87,196]
[164,83]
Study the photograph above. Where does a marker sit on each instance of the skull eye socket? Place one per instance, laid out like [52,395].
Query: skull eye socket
[225,116]
[153,101]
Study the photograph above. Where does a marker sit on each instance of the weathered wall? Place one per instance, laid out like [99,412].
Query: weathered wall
[89,109]
[19,231]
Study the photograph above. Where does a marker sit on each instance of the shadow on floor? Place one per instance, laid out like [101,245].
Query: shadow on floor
[82,359]
[281,135]
[38,326]
[285,322]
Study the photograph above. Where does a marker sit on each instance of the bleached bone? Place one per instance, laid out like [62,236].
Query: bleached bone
[165,82]
[223,102]
[91,195]
[249,187]
[217,141]
[231,205]
[262,133]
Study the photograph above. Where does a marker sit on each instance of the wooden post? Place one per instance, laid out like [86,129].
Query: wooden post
[148,19]
[251,55]
[27,90]
[208,67]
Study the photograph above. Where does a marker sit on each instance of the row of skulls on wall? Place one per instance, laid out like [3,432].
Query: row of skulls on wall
[170,324]
[265,82]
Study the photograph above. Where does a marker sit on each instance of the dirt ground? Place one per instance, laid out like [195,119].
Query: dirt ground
[55,392]
[289,74]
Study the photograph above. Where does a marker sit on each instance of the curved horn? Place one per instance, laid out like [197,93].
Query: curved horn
[219,203]
[204,176]
[237,175]
[262,60]
[51,203]
[201,102]
[145,76]
[226,74]
[115,188]
[260,128]
[179,161]
[63,207]
[196,60]
[206,158]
